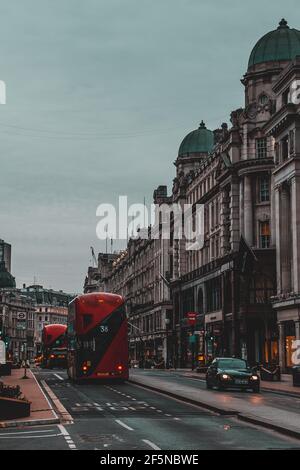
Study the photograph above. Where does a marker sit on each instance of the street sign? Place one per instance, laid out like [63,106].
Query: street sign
[192,317]
[21,325]
[2,353]
[21,316]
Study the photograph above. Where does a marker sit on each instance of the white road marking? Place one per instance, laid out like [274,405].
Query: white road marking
[63,430]
[25,432]
[151,444]
[124,425]
[67,436]
[59,377]
[43,382]
[30,437]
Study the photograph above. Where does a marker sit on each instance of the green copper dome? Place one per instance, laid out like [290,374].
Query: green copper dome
[281,44]
[6,279]
[199,141]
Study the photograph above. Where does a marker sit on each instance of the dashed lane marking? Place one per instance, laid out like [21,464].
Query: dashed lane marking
[124,425]
[151,444]
[67,437]
[59,377]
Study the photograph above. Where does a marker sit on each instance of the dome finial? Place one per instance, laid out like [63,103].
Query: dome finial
[202,125]
[283,24]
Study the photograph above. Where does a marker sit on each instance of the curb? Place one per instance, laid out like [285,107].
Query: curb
[292,394]
[212,408]
[233,413]
[30,422]
[269,425]
[33,422]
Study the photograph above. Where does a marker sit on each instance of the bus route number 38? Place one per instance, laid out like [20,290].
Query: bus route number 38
[103,329]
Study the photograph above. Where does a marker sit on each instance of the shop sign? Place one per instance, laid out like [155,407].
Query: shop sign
[192,317]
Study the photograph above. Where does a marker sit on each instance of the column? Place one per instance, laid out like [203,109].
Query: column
[242,222]
[285,245]
[281,346]
[248,211]
[297,329]
[295,228]
[235,215]
[273,211]
[278,239]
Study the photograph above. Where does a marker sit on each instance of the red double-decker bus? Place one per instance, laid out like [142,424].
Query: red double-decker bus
[97,337]
[54,346]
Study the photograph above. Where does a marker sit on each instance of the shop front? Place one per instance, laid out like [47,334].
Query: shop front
[288,320]
[214,335]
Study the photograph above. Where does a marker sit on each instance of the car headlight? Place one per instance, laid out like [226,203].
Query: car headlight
[254,377]
[225,377]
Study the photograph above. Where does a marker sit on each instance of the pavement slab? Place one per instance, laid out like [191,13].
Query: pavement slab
[41,411]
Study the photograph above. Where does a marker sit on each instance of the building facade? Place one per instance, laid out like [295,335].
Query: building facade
[49,307]
[17,324]
[243,283]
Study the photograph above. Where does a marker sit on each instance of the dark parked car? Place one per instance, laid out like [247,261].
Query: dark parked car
[226,372]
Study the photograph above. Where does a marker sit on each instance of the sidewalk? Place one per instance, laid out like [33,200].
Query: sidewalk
[41,410]
[284,386]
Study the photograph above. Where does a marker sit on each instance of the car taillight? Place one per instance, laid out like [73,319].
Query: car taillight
[52,356]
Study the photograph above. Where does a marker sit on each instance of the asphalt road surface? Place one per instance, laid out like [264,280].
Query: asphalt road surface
[128,417]
[280,401]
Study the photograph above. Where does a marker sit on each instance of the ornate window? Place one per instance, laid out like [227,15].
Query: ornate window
[264,190]
[264,234]
[261,148]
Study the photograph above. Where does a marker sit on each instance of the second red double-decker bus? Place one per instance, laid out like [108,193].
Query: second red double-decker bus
[54,346]
[97,337]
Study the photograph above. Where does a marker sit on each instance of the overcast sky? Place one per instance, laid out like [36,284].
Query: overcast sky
[100,94]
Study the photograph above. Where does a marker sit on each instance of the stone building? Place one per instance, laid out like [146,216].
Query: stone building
[50,307]
[95,275]
[284,128]
[244,283]
[16,317]
[248,185]
[140,274]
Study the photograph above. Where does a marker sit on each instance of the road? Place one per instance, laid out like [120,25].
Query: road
[278,401]
[129,417]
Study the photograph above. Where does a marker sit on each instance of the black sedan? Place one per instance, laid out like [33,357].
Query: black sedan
[225,372]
